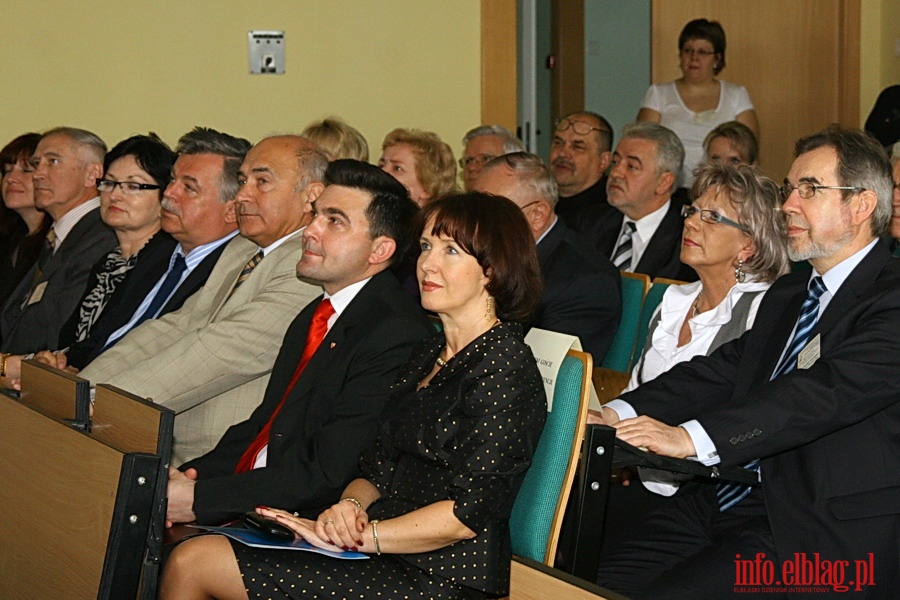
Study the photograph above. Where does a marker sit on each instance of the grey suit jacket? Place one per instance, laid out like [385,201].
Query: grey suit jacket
[36,326]
[210,361]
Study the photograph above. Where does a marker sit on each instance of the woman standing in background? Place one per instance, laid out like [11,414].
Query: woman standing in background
[696,102]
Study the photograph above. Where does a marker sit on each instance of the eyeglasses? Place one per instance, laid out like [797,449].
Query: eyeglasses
[808,190]
[479,160]
[128,187]
[696,52]
[579,127]
[712,217]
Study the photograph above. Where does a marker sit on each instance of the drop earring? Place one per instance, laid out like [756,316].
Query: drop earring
[739,274]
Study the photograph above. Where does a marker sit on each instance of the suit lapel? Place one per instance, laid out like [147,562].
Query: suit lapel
[658,250]
[774,338]
[338,337]
[194,281]
[858,283]
[550,243]
[224,291]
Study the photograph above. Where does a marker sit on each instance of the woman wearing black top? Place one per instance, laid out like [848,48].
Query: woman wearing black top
[432,503]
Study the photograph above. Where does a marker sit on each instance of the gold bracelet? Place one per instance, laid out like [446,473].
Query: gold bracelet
[5,357]
[353,500]
[375,535]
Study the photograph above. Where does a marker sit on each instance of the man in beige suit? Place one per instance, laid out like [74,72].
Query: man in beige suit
[210,361]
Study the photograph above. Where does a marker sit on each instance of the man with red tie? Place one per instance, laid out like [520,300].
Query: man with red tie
[333,373]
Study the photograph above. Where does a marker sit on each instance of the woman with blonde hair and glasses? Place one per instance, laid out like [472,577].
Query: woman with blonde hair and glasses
[734,239]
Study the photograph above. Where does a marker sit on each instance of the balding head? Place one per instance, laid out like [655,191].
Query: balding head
[279,180]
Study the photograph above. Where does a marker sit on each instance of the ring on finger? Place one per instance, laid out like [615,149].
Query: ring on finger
[328,522]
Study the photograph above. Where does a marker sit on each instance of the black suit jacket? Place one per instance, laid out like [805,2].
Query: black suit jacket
[330,416]
[570,209]
[827,435]
[36,327]
[131,293]
[600,225]
[581,291]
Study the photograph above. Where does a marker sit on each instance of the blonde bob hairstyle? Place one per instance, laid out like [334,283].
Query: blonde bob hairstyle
[435,165]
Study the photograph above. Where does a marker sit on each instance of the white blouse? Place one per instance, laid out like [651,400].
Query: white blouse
[691,127]
[664,352]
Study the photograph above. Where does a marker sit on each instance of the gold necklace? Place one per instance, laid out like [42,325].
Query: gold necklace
[440,363]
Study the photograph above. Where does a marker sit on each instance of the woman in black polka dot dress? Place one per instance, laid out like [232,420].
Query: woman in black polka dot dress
[431,507]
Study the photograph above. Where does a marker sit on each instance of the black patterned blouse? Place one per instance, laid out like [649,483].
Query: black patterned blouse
[468,437]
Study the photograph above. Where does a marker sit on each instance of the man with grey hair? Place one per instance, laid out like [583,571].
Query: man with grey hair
[643,234]
[573,272]
[894,229]
[210,360]
[67,163]
[807,397]
[198,211]
[482,144]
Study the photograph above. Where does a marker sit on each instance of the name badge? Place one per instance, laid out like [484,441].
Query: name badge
[38,293]
[810,353]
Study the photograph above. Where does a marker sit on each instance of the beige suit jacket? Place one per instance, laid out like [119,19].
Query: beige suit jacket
[210,361]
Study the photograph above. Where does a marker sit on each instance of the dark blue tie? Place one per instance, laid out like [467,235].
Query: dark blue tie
[730,494]
[165,290]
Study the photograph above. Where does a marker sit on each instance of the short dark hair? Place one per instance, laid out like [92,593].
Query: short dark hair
[151,153]
[203,140]
[712,32]
[390,212]
[493,230]
[862,162]
[21,148]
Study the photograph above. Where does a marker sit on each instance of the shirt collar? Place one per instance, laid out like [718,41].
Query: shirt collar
[68,221]
[646,225]
[838,274]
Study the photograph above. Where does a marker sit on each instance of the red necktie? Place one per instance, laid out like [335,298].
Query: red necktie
[317,330]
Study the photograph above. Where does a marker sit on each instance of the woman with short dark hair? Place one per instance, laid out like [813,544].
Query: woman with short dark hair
[432,503]
[696,102]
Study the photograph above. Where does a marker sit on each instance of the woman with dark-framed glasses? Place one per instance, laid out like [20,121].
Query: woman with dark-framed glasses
[136,171]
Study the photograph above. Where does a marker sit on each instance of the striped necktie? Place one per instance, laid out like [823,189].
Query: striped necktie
[622,256]
[730,494]
[245,272]
[47,250]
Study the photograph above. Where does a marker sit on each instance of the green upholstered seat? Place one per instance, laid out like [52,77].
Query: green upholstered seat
[539,507]
[634,286]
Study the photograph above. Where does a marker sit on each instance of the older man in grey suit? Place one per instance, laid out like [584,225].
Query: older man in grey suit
[210,361]
[67,163]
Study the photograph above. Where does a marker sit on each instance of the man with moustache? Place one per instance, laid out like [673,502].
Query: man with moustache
[808,397]
[643,232]
[67,163]
[210,360]
[334,370]
[202,224]
[579,156]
